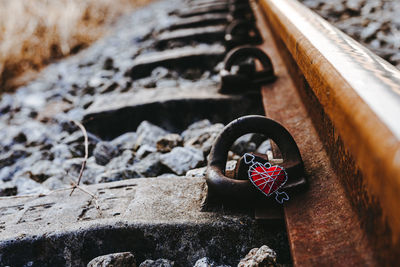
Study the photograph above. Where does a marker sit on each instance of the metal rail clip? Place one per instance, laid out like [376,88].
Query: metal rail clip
[228,191]
[245,78]
[240,32]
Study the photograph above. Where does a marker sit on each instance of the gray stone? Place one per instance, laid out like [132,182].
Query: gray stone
[157,263]
[182,159]
[231,165]
[91,172]
[28,186]
[122,259]
[244,144]
[149,166]
[118,175]
[9,158]
[202,135]
[76,143]
[57,182]
[199,172]
[168,175]
[8,189]
[168,142]
[61,152]
[104,152]
[43,169]
[148,133]
[264,147]
[205,262]
[145,150]
[35,132]
[257,257]
[125,141]
[122,161]
[195,126]
[72,166]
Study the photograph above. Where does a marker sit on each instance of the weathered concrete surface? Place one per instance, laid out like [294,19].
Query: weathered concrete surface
[112,115]
[208,34]
[150,217]
[202,20]
[205,56]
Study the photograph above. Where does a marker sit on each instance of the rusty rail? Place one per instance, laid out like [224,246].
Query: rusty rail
[351,97]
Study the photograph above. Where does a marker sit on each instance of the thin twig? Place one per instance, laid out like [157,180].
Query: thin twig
[84,190]
[86,154]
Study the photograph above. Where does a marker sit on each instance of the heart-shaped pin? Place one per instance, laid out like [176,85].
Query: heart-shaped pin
[268,179]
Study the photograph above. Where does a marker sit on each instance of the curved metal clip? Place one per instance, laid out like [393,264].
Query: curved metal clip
[227,190]
[246,78]
[240,32]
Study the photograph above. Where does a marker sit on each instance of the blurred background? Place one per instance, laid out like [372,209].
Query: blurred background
[35,32]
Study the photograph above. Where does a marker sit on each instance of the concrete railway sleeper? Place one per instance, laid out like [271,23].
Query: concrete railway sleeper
[307,165]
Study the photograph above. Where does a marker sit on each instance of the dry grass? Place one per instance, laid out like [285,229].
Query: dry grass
[35,32]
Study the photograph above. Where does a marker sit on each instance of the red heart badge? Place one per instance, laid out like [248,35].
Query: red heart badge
[268,179]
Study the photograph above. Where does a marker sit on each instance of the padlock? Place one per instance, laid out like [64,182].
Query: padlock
[242,82]
[228,191]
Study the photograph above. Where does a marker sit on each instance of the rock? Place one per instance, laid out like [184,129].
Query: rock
[148,133]
[36,133]
[122,259]
[118,175]
[199,172]
[264,147]
[91,172]
[196,126]
[61,152]
[108,63]
[202,135]
[57,182]
[168,142]
[370,30]
[182,159]
[72,166]
[104,152]
[43,169]
[149,166]
[167,175]
[28,186]
[244,144]
[76,143]
[205,262]
[9,158]
[7,173]
[157,263]
[8,189]
[145,150]
[125,141]
[65,123]
[257,257]
[122,161]
[231,165]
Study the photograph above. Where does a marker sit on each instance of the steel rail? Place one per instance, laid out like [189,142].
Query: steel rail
[353,99]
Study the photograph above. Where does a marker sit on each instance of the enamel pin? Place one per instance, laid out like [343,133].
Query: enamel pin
[267,178]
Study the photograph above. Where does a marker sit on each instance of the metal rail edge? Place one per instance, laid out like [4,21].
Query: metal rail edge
[359,96]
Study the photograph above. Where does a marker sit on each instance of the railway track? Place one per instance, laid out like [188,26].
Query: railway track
[339,102]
